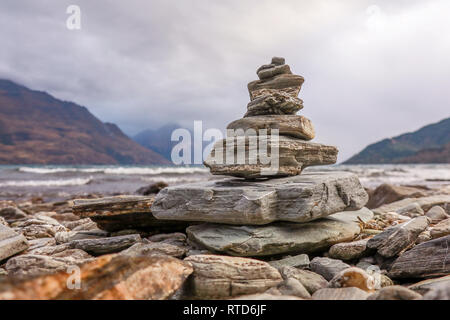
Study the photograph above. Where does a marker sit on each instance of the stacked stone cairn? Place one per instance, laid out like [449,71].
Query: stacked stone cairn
[269,213]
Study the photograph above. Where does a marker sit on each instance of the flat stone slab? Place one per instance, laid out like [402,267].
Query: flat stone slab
[279,238]
[425,203]
[242,156]
[288,83]
[123,212]
[232,201]
[11,242]
[274,103]
[287,125]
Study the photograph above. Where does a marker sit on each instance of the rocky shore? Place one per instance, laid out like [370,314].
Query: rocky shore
[293,235]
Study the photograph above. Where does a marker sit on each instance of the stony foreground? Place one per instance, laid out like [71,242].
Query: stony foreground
[96,249]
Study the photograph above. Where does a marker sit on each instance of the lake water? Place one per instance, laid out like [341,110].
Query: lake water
[59,182]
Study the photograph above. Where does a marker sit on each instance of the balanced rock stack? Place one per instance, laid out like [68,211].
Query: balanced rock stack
[273,106]
[269,213]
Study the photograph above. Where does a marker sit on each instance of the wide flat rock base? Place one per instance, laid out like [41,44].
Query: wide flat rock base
[234,201]
[281,237]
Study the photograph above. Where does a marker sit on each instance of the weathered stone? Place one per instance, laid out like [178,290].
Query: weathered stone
[350,293]
[109,277]
[348,250]
[265,296]
[326,267]
[441,229]
[105,245]
[437,214]
[310,280]
[353,277]
[395,239]
[425,203]
[411,210]
[297,199]
[387,193]
[287,83]
[11,242]
[394,293]
[152,188]
[290,287]
[278,61]
[12,214]
[83,223]
[273,71]
[293,156]
[287,125]
[425,286]
[123,212]
[439,292]
[152,248]
[34,264]
[298,261]
[67,236]
[222,277]
[274,103]
[423,237]
[41,242]
[428,259]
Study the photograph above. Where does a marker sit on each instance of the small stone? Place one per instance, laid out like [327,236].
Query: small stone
[425,286]
[105,245]
[109,277]
[441,229]
[11,242]
[152,189]
[274,103]
[286,83]
[437,214]
[328,268]
[424,202]
[439,292]
[299,261]
[290,287]
[387,193]
[394,293]
[278,61]
[395,239]
[41,242]
[423,237]
[67,236]
[348,250]
[12,214]
[353,277]
[350,293]
[287,125]
[310,280]
[268,73]
[411,210]
[223,277]
[152,248]
[38,226]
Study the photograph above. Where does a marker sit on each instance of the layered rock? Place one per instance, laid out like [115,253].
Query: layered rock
[11,242]
[296,199]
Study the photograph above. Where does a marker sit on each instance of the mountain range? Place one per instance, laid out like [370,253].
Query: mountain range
[430,144]
[36,128]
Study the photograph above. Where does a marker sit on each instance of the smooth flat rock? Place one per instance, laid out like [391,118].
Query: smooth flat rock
[109,277]
[223,277]
[11,242]
[424,202]
[348,250]
[437,214]
[123,212]
[290,287]
[273,71]
[287,125]
[297,199]
[105,245]
[350,293]
[298,261]
[393,240]
[242,156]
[278,238]
[310,280]
[428,259]
[287,83]
[274,103]
[441,229]
[328,268]
[395,293]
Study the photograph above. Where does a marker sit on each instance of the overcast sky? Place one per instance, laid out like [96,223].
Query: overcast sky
[372,69]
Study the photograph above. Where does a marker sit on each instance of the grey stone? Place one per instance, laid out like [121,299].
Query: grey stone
[424,202]
[411,210]
[310,280]
[350,293]
[287,83]
[278,61]
[348,250]
[223,277]
[441,229]
[12,214]
[38,226]
[425,286]
[290,287]
[395,239]
[298,261]
[394,293]
[11,242]
[274,103]
[267,73]
[241,157]
[428,259]
[105,245]
[41,242]
[155,248]
[439,292]
[328,268]
[287,125]
[278,238]
[437,214]
[67,236]
[296,199]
